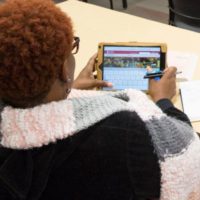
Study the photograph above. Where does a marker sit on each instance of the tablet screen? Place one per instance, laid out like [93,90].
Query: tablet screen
[125,66]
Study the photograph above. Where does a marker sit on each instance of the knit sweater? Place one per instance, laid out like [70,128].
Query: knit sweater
[175,143]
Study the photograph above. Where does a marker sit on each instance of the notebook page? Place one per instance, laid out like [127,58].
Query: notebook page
[185,62]
[190,96]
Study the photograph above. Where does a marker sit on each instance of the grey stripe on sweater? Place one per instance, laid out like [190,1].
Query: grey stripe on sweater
[96,109]
[167,138]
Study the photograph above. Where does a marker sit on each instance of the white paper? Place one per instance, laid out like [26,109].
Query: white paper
[185,62]
[190,96]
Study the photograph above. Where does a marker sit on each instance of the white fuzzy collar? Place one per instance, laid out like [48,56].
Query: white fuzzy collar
[38,126]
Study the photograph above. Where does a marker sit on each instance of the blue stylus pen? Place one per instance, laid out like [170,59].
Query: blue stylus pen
[158,74]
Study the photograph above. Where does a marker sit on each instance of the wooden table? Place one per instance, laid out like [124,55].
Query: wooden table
[94,24]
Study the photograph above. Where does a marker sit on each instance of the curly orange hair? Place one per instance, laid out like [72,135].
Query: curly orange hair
[35,39]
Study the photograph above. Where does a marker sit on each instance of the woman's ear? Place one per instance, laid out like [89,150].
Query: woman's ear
[63,73]
[67,70]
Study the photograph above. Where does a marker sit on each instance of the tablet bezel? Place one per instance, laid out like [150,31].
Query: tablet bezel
[100,56]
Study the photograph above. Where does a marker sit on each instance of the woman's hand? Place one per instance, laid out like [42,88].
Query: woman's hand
[165,88]
[86,79]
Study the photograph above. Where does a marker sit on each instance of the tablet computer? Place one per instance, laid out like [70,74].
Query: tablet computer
[126,64]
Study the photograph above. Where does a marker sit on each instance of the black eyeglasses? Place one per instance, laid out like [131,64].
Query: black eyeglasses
[75,45]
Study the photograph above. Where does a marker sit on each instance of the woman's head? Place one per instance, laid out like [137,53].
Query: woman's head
[35,51]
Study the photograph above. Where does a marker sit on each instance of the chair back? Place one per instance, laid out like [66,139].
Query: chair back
[185,14]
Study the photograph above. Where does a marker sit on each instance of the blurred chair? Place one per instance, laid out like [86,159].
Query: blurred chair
[185,14]
[124,3]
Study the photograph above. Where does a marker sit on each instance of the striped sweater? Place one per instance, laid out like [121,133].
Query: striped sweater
[174,141]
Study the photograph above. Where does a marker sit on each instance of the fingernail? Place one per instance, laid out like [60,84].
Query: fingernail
[109,84]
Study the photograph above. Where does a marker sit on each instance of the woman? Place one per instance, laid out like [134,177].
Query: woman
[63,144]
